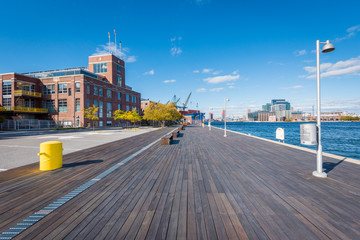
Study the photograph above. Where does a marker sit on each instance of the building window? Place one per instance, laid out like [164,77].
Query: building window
[127,108]
[7,102]
[101,109]
[49,105]
[6,88]
[77,104]
[119,95]
[118,67]
[119,106]
[100,91]
[69,92]
[49,89]
[108,93]
[62,88]
[67,123]
[62,105]
[108,110]
[119,80]
[88,103]
[88,88]
[77,87]
[95,90]
[127,97]
[100,67]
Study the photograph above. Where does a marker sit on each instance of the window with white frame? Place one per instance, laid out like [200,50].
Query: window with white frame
[62,88]
[100,67]
[48,89]
[77,87]
[108,109]
[62,105]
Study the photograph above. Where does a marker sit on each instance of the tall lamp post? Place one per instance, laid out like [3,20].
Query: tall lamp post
[225,100]
[319,163]
[210,108]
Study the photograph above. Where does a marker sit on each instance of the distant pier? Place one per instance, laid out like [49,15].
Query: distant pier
[202,186]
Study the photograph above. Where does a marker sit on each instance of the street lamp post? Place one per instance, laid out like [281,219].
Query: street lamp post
[225,100]
[210,118]
[319,163]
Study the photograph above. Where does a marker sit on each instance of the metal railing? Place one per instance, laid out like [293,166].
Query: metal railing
[26,93]
[24,109]
[27,124]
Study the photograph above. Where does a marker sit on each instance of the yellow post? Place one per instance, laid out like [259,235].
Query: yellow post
[50,155]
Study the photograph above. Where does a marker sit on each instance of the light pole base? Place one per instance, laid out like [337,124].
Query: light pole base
[320,175]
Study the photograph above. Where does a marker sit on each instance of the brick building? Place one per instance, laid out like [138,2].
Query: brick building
[60,95]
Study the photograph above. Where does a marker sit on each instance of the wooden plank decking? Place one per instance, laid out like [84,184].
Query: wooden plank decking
[203,186]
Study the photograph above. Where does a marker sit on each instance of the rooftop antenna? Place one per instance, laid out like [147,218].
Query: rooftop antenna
[109,42]
[115,40]
[120,50]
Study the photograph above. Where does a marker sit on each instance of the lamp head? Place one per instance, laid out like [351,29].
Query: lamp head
[329,47]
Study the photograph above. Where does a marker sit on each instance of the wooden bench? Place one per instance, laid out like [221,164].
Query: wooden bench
[175,133]
[166,140]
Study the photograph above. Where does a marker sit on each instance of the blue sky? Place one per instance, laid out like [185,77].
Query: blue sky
[247,51]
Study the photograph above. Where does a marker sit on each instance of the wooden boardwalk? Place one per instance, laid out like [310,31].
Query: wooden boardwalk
[203,186]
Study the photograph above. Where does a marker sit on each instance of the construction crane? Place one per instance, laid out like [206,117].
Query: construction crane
[184,106]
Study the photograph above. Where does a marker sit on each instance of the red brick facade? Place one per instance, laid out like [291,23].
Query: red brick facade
[62,85]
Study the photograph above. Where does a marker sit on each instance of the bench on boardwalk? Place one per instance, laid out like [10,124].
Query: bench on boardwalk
[166,140]
[175,133]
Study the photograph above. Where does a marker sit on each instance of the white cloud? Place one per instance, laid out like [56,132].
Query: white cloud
[201,90]
[216,72]
[216,89]
[235,72]
[231,86]
[207,70]
[348,67]
[350,33]
[300,52]
[196,71]
[175,51]
[131,59]
[221,79]
[111,49]
[151,72]
[170,81]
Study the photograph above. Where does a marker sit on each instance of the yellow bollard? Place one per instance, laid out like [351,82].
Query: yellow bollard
[50,155]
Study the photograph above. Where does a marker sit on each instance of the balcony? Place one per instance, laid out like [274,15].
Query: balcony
[27,93]
[23,109]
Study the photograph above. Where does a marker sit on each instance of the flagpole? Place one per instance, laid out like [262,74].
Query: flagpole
[115,40]
[109,42]
[120,50]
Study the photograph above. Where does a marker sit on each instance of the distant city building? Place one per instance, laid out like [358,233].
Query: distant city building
[277,110]
[264,115]
[297,116]
[60,95]
[267,107]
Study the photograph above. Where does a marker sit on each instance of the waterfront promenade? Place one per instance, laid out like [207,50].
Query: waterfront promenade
[203,186]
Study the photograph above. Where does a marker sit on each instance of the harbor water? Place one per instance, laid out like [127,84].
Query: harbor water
[340,138]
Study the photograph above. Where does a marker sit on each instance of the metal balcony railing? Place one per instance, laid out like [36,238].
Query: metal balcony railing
[26,93]
[24,109]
